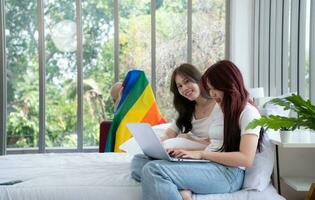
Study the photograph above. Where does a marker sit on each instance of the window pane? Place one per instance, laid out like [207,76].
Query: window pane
[171,49]
[22,73]
[208,32]
[98,62]
[307,50]
[61,73]
[135,36]
[287,77]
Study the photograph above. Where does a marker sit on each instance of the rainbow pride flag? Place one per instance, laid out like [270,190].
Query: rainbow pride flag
[137,104]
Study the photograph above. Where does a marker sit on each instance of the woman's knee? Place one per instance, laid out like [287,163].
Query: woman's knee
[139,158]
[154,168]
[150,168]
[137,163]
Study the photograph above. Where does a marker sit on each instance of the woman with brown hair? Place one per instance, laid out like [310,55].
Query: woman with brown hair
[193,105]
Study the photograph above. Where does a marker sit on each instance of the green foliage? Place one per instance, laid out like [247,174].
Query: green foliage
[304,109]
[22,130]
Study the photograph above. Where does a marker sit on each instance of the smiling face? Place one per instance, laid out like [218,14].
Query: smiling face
[216,94]
[187,87]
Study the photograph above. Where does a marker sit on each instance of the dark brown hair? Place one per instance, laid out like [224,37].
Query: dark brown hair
[184,106]
[226,77]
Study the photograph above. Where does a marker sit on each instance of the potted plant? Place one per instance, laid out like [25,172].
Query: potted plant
[303,108]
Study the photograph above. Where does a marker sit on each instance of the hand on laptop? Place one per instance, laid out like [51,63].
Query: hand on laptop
[181,153]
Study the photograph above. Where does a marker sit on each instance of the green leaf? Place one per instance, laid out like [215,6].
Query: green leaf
[274,122]
[282,102]
[304,109]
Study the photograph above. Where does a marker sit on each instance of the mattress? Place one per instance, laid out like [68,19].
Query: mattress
[84,176]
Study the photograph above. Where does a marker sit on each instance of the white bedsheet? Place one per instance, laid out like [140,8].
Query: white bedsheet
[75,176]
[269,193]
[84,176]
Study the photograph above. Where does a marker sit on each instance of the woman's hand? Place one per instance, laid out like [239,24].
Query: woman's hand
[181,153]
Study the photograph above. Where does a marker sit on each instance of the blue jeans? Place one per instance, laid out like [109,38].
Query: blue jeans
[162,179]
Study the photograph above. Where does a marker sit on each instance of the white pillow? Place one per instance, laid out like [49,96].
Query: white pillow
[268,108]
[160,128]
[132,147]
[182,143]
[272,109]
[258,176]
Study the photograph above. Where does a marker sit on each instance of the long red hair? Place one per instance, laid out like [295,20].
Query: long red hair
[226,77]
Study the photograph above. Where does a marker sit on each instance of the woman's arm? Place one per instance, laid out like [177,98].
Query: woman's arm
[242,158]
[248,143]
[169,133]
[205,141]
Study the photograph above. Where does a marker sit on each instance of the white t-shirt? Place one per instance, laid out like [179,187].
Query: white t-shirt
[247,115]
[208,127]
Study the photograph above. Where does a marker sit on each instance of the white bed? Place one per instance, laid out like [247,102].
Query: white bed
[85,176]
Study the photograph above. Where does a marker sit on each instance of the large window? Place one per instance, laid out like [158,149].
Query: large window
[155,36]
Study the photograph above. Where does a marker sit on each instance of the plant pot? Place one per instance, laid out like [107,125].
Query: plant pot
[286,136]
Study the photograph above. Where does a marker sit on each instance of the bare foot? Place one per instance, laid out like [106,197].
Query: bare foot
[186,194]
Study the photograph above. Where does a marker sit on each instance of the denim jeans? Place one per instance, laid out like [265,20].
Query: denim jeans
[162,179]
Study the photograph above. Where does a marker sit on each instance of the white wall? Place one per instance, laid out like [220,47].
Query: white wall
[241,37]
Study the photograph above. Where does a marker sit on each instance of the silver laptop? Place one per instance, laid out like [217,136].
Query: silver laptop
[151,144]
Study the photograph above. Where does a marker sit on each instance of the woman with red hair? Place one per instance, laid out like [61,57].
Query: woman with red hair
[236,150]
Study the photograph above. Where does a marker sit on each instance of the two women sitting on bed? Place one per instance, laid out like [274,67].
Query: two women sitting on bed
[197,112]
[237,145]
